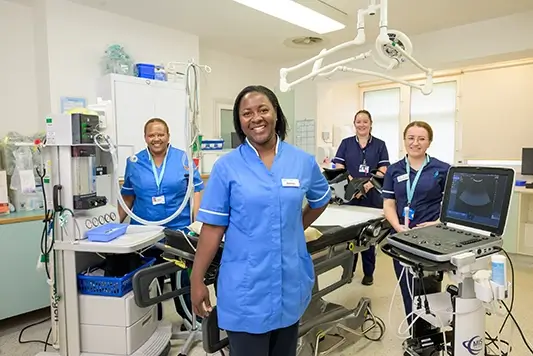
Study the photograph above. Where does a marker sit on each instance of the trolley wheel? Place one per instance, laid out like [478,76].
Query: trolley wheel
[372,334]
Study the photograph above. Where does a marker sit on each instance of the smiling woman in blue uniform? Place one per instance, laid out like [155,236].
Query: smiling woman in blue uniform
[255,197]
[412,191]
[155,185]
[360,155]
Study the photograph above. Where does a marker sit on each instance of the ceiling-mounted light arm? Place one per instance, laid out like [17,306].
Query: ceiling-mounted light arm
[392,48]
[317,70]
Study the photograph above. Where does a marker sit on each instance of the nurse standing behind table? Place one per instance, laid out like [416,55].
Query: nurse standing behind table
[412,192]
[154,187]
[255,197]
[360,155]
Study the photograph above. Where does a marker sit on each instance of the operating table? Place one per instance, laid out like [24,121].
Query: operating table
[343,232]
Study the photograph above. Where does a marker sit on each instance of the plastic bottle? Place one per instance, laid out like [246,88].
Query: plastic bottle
[499,269]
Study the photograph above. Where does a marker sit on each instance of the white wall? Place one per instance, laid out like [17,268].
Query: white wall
[68,49]
[480,43]
[18,92]
[230,74]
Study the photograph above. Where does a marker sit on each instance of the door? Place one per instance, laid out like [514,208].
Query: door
[134,106]
[169,105]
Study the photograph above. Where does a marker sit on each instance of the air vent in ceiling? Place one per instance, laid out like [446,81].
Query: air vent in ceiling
[304,42]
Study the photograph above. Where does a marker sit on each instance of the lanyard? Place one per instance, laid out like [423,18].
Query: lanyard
[411,188]
[363,150]
[159,177]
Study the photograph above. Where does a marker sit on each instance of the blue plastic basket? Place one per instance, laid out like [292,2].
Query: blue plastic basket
[145,70]
[107,232]
[109,286]
[212,145]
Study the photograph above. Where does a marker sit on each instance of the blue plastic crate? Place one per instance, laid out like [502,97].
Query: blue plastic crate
[145,70]
[109,286]
[107,232]
[210,145]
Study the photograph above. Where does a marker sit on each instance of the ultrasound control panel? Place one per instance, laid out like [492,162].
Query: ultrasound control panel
[440,242]
[475,199]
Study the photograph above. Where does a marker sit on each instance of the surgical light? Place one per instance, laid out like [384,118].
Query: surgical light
[392,48]
[295,13]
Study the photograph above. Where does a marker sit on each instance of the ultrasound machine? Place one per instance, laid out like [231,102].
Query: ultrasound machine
[466,244]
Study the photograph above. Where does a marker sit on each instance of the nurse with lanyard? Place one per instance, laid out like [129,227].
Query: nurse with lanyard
[412,193]
[361,155]
[255,199]
[154,187]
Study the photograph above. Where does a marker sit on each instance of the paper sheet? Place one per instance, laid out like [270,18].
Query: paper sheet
[346,216]
[3,188]
[27,181]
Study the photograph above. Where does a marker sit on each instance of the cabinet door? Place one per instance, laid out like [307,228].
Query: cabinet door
[170,106]
[134,103]
[24,289]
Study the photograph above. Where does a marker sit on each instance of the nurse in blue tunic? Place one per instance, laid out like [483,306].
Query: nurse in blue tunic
[255,198]
[412,192]
[154,188]
[361,155]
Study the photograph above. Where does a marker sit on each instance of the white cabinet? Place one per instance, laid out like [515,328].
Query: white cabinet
[135,101]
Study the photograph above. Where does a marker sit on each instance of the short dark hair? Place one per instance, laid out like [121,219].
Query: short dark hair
[155,120]
[281,122]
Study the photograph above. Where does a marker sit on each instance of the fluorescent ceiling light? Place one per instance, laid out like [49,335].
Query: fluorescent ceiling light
[297,14]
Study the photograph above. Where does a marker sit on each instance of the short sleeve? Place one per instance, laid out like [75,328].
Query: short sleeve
[127,187]
[319,192]
[388,185]
[198,182]
[214,208]
[340,156]
[383,157]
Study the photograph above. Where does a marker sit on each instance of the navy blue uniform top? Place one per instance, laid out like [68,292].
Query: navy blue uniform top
[428,192]
[353,157]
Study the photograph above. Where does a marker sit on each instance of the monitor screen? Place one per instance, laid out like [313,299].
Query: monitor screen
[527,161]
[478,197]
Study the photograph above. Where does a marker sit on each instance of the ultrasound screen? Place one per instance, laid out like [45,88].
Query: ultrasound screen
[477,198]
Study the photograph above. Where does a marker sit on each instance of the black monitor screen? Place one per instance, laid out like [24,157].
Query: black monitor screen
[527,161]
[478,199]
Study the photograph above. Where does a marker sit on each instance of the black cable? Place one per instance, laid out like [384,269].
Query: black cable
[518,327]
[35,341]
[492,341]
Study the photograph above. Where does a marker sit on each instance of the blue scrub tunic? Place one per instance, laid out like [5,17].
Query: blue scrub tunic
[266,275]
[360,162]
[428,192]
[155,201]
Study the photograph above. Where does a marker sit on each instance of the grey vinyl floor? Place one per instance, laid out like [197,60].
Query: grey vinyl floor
[380,293]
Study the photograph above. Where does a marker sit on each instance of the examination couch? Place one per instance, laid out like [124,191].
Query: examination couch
[332,241]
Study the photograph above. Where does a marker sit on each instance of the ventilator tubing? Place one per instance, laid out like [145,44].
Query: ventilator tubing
[191,68]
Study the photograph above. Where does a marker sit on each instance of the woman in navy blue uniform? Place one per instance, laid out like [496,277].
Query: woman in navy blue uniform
[360,155]
[412,192]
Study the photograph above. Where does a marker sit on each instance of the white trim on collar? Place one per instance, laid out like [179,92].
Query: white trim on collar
[257,153]
[150,155]
[369,139]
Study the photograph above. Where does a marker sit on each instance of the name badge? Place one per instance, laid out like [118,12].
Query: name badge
[364,169]
[410,213]
[402,178]
[158,200]
[290,182]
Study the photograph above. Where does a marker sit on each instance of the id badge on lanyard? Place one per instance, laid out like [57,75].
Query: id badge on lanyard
[364,168]
[159,198]
[408,212]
